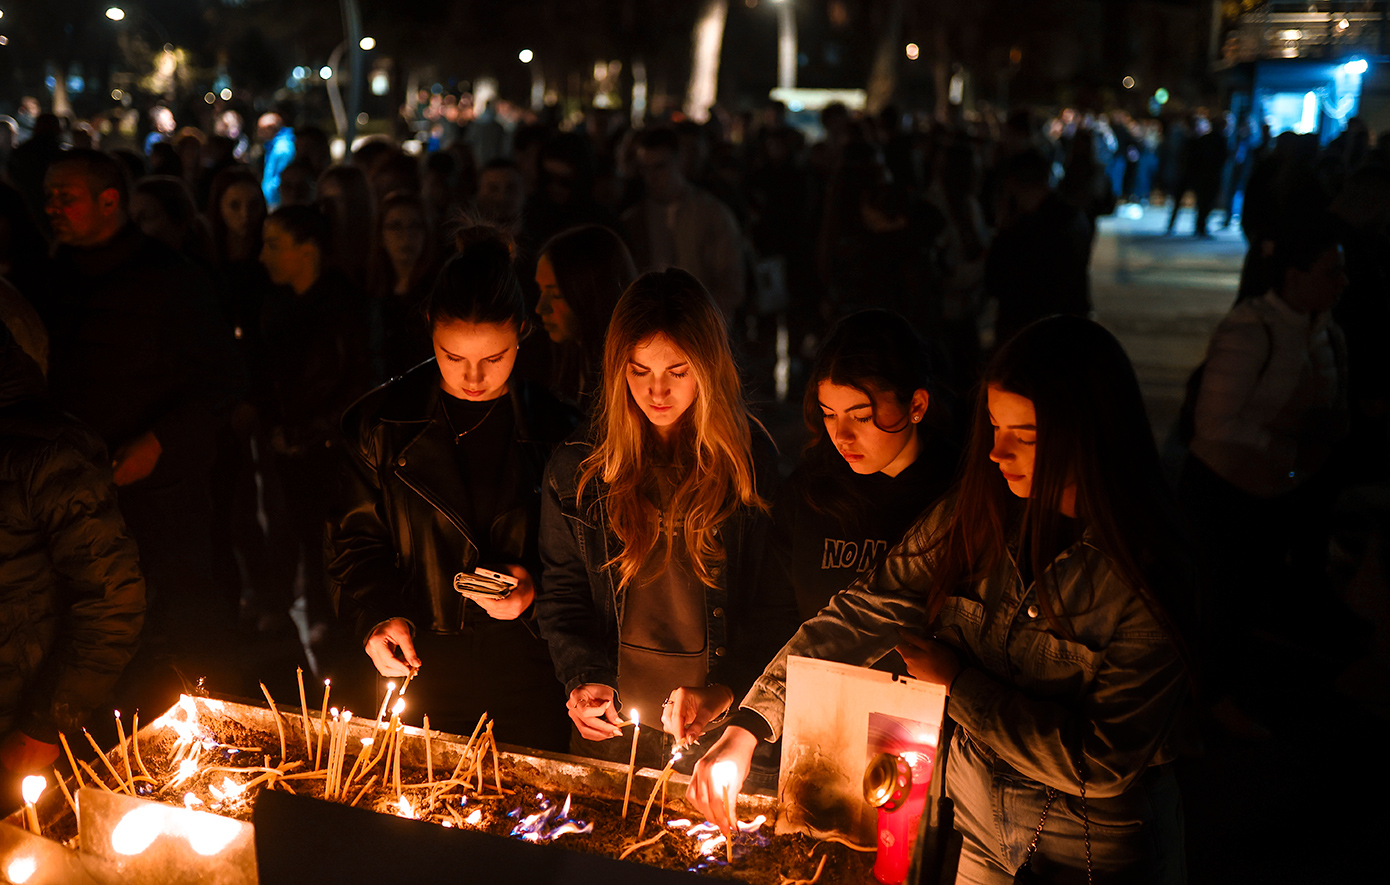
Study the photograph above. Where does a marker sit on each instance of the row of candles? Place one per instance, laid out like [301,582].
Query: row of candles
[336,784]
[724,774]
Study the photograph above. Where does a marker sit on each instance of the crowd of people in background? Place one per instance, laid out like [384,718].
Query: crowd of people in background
[209,303]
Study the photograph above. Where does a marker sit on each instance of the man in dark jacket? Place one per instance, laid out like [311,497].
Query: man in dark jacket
[72,600]
[138,354]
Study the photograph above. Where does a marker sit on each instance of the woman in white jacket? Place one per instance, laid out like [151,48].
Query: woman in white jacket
[1271,405]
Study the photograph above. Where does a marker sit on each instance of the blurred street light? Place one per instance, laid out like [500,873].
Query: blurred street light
[525,56]
[913,52]
[115,13]
[1128,82]
[326,73]
[226,94]
[367,44]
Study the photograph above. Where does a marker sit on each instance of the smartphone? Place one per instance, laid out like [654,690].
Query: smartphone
[484,583]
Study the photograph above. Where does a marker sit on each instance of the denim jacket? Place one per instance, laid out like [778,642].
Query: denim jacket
[580,608]
[1032,696]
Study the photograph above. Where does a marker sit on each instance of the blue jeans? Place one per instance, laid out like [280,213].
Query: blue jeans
[1135,838]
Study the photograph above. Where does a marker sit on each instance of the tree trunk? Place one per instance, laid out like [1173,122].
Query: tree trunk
[707,41]
[883,79]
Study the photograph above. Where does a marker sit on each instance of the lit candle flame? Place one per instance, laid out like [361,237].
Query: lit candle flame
[473,819]
[404,808]
[636,717]
[189,800]
[724,774]
[399,706]
[33,787]
[187,768]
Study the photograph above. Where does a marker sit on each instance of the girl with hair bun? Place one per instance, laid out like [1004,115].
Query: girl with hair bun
[652,529]
[442,477]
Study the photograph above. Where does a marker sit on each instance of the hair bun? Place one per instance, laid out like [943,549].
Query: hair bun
[481,235]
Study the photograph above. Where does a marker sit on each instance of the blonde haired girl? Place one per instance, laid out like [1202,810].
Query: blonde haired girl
[652,528]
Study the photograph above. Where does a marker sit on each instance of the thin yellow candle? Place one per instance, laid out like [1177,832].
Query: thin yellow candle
[125,753]
[396,759]
[429,757]
[279,726]
[135,744]
[64,787]
[76,772]
[342,751]
[329,777]
[323,723]
[385,703]
[724,774]
[304,711]
[32,788]
[107,762]
[632,759]
[660,780]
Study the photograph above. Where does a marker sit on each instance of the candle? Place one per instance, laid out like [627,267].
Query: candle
[342,751]
[304,711]
[76,772]
[632,758]
[660,780]
[134,746]
[125,753]
[32,788]
[331,775]
[64,787]
[279,727]
[724,774]
[429,758]
[385,703]
[107,762]
[323,723]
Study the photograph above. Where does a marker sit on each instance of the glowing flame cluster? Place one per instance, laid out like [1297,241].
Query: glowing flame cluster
[551,822]
[207,834]
[711,840]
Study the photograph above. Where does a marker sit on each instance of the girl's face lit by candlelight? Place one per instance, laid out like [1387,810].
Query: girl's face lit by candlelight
[855,424]
[475,359]
[661,382]
[1015,424]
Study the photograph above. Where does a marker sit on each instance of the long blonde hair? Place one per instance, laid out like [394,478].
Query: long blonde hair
[714,441]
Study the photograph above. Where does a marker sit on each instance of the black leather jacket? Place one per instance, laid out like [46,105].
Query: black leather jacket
[580,607]
[395,538]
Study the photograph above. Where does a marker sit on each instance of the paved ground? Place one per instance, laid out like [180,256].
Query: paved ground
[1299,807]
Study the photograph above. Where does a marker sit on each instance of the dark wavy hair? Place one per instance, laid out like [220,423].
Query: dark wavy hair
[480,283]
[1092,433]
[878,353]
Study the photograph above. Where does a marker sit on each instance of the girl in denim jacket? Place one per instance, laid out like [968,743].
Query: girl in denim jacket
[1040,595]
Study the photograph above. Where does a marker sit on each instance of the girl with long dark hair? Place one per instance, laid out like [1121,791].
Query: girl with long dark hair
[442,476]
[581,273]
[1040,594]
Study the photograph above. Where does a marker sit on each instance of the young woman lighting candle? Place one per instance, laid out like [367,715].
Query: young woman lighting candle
[1041,593]
[443,475]
[652,528]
